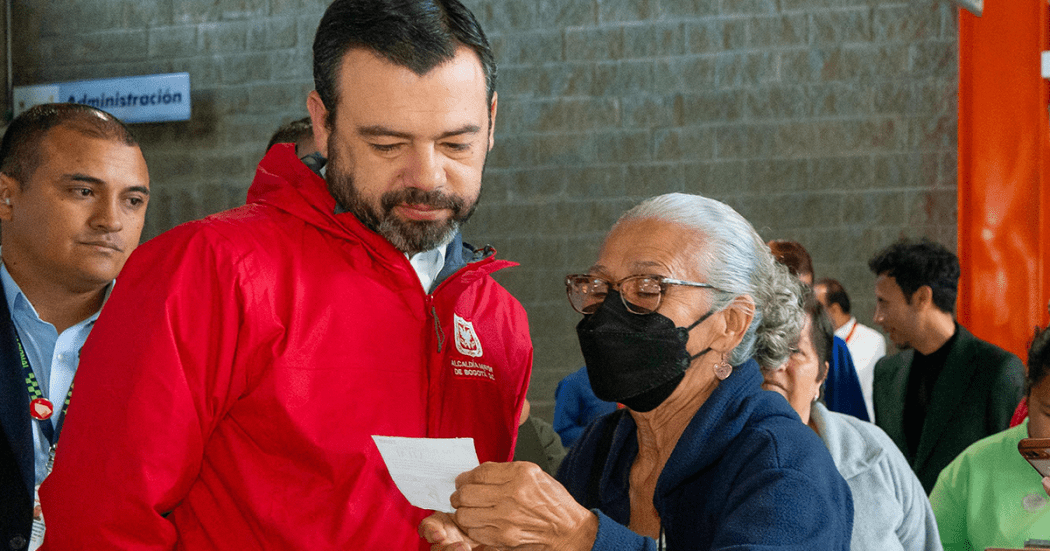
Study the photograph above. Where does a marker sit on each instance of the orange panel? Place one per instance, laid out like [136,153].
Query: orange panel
[1004,156]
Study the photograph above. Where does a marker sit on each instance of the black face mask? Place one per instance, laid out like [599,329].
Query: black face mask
[636,360]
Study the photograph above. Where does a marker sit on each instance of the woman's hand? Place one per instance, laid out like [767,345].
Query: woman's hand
[518,506]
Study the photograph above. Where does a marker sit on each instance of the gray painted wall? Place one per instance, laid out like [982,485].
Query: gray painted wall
[832,122]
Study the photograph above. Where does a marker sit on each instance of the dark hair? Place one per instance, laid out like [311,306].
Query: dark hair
[821,332]
[417,34]
[1038,359]
[792,255]
[20,149]
[914,264]
[292,132]
[836,293]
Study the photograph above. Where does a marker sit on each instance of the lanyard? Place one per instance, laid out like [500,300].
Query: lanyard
[40,408]
[850,335]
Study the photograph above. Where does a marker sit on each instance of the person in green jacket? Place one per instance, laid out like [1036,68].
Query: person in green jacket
[990,496]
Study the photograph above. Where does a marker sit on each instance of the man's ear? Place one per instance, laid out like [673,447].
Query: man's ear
[922,297]
[319,120]
[9,190]
[492,119]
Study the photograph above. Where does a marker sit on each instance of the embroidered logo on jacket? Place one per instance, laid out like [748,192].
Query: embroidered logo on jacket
[467,342]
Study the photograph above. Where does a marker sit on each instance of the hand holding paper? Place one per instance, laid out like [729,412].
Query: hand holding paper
[425,469]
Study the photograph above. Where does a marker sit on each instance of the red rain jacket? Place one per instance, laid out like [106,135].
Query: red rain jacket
[228,393]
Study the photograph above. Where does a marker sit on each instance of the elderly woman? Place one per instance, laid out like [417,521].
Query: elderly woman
[891,511]
[683,299]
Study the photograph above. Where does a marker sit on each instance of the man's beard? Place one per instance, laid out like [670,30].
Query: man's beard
[408,236]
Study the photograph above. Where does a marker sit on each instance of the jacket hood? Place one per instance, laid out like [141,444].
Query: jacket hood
[853,444]
[284,182]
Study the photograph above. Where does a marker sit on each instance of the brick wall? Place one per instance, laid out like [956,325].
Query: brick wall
[832,122]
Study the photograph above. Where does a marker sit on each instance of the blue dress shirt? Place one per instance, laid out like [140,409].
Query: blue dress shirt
[52,356]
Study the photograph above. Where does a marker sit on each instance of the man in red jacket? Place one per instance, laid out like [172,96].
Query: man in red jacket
[228,394]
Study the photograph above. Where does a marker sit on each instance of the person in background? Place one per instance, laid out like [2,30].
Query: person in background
[681,308]
[299,132]
[989,496]
[794,257]
[947,389]
[842,392]
[865,344]
[576,406]
[73,194]
[229,394]
[890,509]
[538,443]
[1021,413]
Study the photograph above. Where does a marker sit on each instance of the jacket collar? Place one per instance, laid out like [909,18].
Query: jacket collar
[956,376]
[844,331]
[705,439]
[853,453]
[295,186]
[716,424]
[284,182]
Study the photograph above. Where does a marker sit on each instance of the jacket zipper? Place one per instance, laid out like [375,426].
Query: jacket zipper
[440,335]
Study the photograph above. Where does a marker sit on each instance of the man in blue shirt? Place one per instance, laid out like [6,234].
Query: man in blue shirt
[73,193]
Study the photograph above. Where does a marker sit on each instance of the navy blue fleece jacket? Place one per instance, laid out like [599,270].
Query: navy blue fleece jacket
[745,475]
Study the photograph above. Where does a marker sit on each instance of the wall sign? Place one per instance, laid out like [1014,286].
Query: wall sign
[148,98]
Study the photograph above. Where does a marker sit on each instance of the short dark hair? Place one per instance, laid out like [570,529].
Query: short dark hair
[1038,359]
[292,132]
[836,293]
[914,264]
[821,332]
[20,148]
[792,255]
[416,34]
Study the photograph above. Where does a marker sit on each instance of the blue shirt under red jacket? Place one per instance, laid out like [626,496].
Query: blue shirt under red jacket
[745,474]
[842,387]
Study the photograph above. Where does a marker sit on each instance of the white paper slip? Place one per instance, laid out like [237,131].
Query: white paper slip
[425,469]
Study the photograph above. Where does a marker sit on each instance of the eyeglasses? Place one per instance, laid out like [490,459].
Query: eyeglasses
[641,294]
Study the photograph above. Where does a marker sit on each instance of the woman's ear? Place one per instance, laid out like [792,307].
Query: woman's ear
[737,316]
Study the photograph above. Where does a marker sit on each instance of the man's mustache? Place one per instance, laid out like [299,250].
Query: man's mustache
[416,196]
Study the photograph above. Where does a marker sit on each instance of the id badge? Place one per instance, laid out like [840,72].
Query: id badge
[36,537]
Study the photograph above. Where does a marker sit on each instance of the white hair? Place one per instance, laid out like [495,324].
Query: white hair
[736,261]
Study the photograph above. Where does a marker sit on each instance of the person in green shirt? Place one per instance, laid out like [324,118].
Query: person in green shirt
[990,496]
